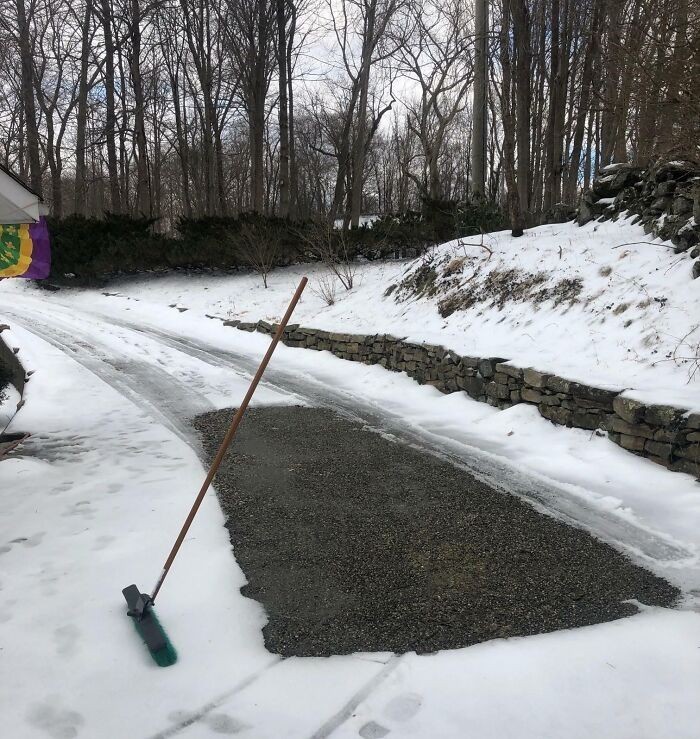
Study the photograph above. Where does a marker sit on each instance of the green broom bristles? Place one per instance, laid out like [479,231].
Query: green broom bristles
[165,656]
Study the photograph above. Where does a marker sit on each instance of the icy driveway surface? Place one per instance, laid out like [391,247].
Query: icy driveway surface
[94,501]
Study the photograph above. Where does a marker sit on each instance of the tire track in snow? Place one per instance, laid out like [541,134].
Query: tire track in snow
[166,398]
[207,708]
[339,718]
[648,547]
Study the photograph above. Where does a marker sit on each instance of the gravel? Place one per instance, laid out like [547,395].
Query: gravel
[355,543]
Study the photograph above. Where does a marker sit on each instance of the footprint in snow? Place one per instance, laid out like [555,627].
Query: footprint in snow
[57,722]
[399,709]
[102,542]
[34,540]
[66,639]
[403,707]
[62,488]
[82,508]
[373,730]
[219,723]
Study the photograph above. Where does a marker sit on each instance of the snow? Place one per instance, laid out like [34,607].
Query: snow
[365,220]
[614,167]
[525,687]
[636,324]
[95,499]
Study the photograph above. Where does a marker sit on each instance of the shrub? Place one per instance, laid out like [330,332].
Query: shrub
[480,216]
[92,249]
[260,248]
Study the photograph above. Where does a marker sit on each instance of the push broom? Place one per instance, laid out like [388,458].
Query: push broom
[140,605]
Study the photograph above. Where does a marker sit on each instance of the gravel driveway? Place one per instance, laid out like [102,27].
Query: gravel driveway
[355,543]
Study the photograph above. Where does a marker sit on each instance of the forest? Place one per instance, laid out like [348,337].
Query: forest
[322,109]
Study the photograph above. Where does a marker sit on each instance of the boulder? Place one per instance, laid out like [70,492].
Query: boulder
[562,416]
[678,170]
[632,443]
[663,415]
[597,395]
[509,369]
[586,212]
[534,378]
[630,429]
[628,409]
[682,205]
[659,205]
[558,384]
[665,188]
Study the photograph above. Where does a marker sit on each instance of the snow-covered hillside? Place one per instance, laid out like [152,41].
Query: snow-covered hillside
[603,303]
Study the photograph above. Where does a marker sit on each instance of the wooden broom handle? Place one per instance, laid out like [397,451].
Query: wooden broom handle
[235,423]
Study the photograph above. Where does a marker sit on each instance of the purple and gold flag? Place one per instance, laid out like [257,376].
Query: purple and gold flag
[25,250]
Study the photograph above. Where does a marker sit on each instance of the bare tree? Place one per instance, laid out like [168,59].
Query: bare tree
[508,116]
[169,109]
[259,248]
[250,33]
[436,53]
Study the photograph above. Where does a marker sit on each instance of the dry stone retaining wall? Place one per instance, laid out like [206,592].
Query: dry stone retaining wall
[664,434]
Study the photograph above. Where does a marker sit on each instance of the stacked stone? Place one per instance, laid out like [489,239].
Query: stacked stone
[665,200]
[666,435]
[566,402]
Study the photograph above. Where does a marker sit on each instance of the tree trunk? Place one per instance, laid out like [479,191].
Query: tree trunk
[293,166]
[560,108]
[514,209]
[521,28]
[27,71]
[343,156]
[143,199]
[550,140]
[283,108]
[257,148]
[359,145]
[480,111]
[583,106]
[611,89]
[80,203]
[110,115]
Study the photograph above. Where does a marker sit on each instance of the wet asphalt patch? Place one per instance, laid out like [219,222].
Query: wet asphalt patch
[355,543]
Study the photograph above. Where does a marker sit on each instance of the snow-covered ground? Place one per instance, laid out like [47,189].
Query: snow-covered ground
[97,495]
[635,324]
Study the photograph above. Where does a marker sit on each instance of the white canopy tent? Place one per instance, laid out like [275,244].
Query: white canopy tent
[18,203]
